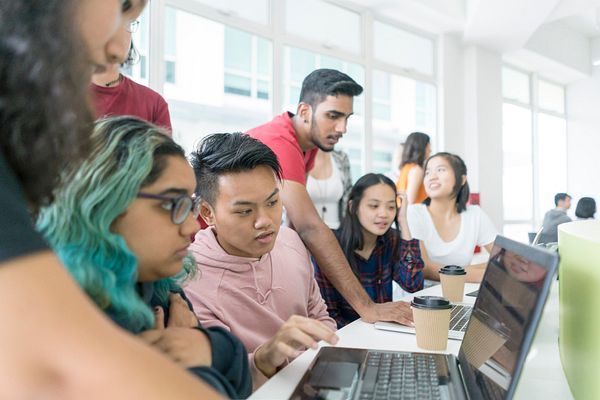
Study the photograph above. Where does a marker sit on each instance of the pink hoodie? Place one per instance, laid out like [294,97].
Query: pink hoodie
[253,298]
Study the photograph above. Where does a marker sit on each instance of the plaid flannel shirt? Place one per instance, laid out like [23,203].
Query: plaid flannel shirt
[392,259]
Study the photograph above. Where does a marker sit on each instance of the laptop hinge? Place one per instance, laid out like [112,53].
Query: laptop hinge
[455,385]
[463,384]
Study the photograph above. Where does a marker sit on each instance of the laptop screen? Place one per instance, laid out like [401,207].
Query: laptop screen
[500,329]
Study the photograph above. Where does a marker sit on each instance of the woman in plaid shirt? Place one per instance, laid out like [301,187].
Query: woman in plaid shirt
[377,253]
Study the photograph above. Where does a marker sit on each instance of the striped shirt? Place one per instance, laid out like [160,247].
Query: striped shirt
[392,259]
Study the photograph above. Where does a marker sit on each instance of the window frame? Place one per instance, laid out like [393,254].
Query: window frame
[276,33]
[534,107]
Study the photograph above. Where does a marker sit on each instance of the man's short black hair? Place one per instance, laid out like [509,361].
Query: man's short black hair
[327,82]
[222,153]
[559,197]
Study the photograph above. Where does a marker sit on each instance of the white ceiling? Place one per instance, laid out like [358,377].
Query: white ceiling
[584,23]
[505,25]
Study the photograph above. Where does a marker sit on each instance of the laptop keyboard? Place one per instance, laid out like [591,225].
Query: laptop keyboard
[400,376]
[459,317]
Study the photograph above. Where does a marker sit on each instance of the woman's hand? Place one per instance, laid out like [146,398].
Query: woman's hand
[178,339]
[402,219]
[402,200]
[188,347]
[180,314]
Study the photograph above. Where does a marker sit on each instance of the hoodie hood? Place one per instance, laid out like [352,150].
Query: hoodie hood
[257,272]
[208,252]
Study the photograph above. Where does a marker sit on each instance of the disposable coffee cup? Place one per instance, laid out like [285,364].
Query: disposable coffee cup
[431,315]
[453,280]
[486,337]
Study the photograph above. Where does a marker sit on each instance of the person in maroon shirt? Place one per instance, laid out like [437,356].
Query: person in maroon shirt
[326,103]
[115,94]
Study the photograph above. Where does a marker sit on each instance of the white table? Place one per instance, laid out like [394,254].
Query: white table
[542,377]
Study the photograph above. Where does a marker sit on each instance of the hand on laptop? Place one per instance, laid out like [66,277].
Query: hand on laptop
[294,336]
[398,311]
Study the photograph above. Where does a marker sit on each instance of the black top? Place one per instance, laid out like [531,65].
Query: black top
[229,373]
[18,236]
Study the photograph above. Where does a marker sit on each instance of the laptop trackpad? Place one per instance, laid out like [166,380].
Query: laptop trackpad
[333,374]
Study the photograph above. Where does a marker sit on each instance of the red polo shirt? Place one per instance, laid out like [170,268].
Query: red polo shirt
[131,98]
[280,136]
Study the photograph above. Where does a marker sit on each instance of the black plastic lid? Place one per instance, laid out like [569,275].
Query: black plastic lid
[431,302]
[452,270]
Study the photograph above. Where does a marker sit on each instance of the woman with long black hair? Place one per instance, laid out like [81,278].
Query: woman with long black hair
[377,253]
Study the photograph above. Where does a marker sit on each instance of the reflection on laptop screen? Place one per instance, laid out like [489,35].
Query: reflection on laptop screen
[500,318]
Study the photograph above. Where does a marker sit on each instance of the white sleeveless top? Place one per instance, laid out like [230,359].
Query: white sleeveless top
[476,229]
[326,195]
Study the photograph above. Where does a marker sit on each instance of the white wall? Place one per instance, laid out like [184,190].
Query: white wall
[471,78]
[583,137]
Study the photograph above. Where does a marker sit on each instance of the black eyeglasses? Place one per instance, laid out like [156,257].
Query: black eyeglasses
[180,206]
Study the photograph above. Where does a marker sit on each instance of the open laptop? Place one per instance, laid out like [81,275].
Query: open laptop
[459,317]
[504,319]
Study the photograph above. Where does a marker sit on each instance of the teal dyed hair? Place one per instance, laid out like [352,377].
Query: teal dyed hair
[127,154]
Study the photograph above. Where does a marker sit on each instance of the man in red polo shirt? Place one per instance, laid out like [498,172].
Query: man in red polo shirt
[326,103]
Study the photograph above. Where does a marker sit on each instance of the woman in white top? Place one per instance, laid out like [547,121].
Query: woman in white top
[447,227]
[328,185]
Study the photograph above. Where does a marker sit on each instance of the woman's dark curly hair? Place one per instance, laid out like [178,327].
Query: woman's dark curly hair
[45,120]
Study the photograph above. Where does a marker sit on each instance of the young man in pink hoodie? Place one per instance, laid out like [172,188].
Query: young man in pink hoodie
[254,276]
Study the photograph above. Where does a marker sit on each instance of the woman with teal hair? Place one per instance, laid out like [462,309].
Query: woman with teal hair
[121,223]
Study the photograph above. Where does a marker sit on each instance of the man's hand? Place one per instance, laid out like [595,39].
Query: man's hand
[398,311]
[297,334]
[188,347]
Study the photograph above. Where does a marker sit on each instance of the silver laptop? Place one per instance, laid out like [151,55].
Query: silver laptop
[499,334]
[459,318]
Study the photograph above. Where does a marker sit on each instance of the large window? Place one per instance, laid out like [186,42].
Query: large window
[221,84]
[331,26]
[517,176]
[403,48]
[534,148]
[400,106]
[232,65]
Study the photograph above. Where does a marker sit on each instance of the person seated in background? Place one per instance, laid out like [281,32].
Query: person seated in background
[586,208]
[446,226]
[555,217]
[122,224]
[410,181]
[254,275]
[328,184]
[115,94]
[378,254]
